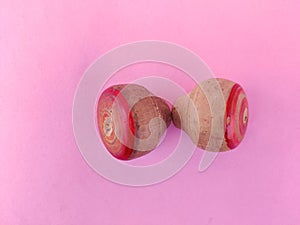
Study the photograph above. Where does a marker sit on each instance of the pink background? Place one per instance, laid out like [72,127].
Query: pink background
[45,46]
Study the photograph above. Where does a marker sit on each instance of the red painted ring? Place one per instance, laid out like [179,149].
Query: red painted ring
[235,130]
[106,101]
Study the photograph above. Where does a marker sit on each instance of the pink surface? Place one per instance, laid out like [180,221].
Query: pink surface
[45,46]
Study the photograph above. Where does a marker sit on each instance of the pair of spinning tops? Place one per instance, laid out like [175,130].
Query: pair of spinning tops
[132,121]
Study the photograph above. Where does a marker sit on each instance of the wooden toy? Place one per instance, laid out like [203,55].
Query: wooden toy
[217,102]
[131,121]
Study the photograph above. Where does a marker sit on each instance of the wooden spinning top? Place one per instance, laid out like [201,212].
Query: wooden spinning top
[214,114]
[131,121]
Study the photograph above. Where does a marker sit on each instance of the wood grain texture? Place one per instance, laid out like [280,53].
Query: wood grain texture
[131,121]
[214,114]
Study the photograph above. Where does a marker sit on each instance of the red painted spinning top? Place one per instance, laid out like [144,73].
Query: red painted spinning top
[131,121]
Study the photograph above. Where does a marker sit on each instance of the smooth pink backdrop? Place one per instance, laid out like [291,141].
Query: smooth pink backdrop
[45,46]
